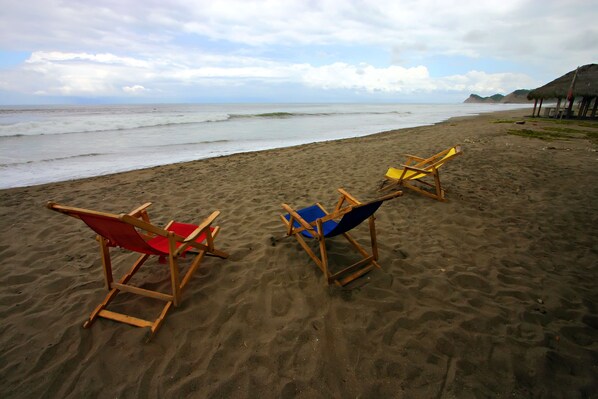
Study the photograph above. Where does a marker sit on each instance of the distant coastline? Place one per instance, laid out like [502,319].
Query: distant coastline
[516,97]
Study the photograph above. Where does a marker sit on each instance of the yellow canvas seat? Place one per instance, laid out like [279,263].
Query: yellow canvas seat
[314,222]
[134,232]
[415,169]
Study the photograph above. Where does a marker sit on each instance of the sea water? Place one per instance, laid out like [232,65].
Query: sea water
[42,144]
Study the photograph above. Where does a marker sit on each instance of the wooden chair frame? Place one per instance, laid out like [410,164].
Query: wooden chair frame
[345,204]
[423,167]
[139,218]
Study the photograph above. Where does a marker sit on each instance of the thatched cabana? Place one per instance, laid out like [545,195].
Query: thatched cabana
[579,83]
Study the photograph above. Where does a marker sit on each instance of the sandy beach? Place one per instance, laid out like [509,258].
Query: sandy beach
[491,294]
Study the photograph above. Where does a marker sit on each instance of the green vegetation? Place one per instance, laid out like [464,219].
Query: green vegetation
[557,133]
[563,129]
[592,136]
[505,121]
[571,122]
[538,134]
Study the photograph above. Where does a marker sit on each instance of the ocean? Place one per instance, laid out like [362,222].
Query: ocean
[42,144]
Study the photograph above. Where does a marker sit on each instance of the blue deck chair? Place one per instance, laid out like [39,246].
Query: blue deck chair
[314,222]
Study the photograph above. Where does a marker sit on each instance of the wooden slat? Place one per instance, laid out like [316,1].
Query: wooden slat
[123,318]
[352,268]
[354,276]
[142,292]
[75,212]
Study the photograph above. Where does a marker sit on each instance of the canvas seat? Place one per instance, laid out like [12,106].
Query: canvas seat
[314,222]
[134,232]
[415,169]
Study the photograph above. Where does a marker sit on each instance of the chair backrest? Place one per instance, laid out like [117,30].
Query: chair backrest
[355,217]
[118,232]
[434,163]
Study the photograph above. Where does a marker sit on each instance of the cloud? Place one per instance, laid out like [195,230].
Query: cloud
[367,77]
[151,48]
[136,89]
[40,57]
[80,74]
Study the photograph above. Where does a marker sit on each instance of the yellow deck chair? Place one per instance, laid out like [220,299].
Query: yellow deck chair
[415,169]
[134,232]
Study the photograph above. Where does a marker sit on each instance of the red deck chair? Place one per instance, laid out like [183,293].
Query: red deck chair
[133,231]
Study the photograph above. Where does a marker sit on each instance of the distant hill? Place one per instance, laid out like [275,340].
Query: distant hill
[516,97]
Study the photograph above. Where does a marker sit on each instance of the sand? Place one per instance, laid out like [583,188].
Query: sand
[491,294]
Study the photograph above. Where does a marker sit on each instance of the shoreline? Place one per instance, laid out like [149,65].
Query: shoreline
[490,294]
[456,118]
[90,161]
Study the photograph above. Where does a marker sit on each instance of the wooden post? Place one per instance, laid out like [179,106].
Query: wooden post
[594,109]
[585,107]
[534,111]
[570,107]
[540,106]
[558,107]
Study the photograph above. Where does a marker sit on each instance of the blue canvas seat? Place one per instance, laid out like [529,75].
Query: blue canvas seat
[315,222]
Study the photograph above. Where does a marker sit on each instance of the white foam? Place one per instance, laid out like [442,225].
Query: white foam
[63,143]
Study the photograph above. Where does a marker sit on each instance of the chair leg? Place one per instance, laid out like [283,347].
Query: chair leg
[323,253]
[158,322]
[106,262]
[439,190]
[422,191]
[101,311]
[174,270]
[110,296]
[372,223]
[311,253]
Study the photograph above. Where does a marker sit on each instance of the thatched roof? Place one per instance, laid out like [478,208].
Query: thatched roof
[586,84]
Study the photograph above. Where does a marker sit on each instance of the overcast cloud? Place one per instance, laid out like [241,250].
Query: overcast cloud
[405,51]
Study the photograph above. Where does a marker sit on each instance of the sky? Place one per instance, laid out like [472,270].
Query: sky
[212,51]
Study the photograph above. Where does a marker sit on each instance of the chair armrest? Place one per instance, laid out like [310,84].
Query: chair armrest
[299,219]
[407,167]
[204,225]
[411,158]
[139,210]
[143,225]
[348,197]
